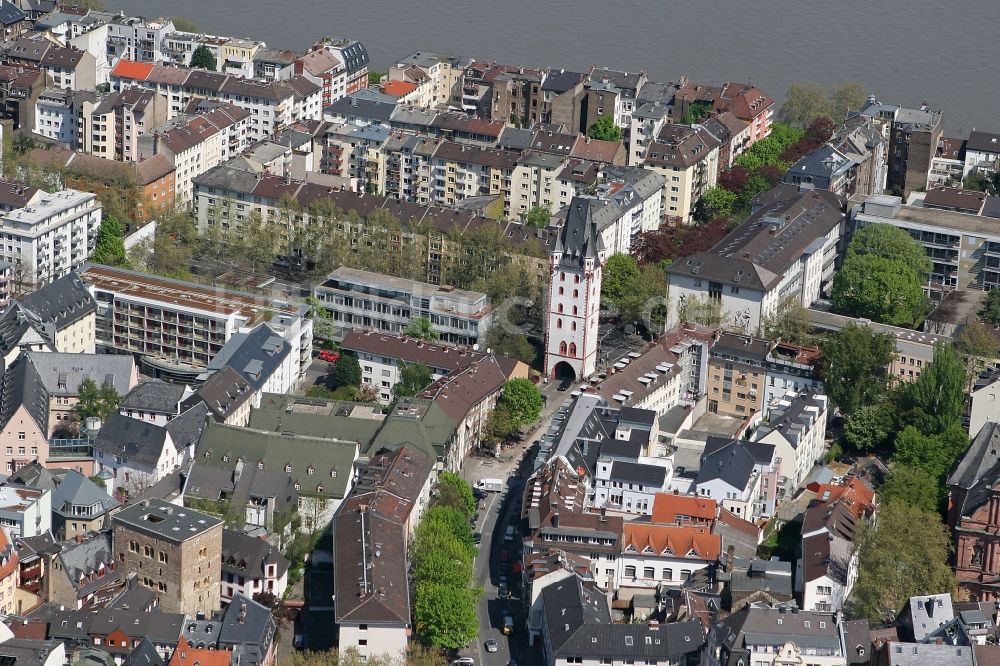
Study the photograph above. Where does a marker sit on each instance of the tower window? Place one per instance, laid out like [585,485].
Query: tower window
[562,347]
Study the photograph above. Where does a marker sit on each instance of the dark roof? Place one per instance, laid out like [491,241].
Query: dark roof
[75,489]
[247,626]
[630,472]
[360,106]
[857,642]
[154,396]
[730,460]
[985,142]
[225,392]
[165,520]
[132,439]
[758,252]
[144,654]
[246,556]
[561,81]
[255,355]
[63,301]
[81,563]
[9,13]
[980,459]
[578,239]
[63,373]
[22,385]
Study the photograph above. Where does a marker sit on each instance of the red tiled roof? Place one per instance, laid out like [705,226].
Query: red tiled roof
[185,655]
[398,88]
[129,69]
[856,496]
[675,541]
[668,508]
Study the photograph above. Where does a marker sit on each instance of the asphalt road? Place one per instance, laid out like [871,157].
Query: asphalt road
[499,510]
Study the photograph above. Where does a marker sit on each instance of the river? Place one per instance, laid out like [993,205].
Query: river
[905,51]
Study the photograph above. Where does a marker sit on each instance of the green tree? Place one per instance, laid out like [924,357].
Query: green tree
[538,217]
[321,317]
[911,486]
[869,427]
[109,249]
[991,308]
[94,400]
[789,322]
[522,400]
[413,378]
[347,371]
[980,348]
[445,615]
[619,277]
[715,202]
[844,98]
[902,554]
[983,181]
[935,400]
[375,78]
[455,492]
[512,345]
[604,129]
[854,362]
[888,291]
[889,242]
[500,426]
[934,453]
[804,103]
[445,521]
[646,301]
[420,327]
[202,58]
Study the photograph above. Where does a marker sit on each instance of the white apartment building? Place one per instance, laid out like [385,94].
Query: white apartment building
[113,128]
[663,555]
[25,512]
[982,152]
[788,248]
[51,236]
[272,105]
[362,299]
[688,159]
[177,327]
[796,426]
[59,112]
[136,38]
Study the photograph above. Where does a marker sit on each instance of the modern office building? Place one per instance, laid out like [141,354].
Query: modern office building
[176,327]
[362,299]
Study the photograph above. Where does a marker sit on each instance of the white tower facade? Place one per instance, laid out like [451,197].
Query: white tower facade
[574,300]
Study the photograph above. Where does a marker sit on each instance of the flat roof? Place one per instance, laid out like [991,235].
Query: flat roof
[370,279]
[166,520]
[185,294]
[936,218]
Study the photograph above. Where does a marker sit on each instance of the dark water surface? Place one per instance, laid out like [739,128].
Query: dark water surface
[905,50]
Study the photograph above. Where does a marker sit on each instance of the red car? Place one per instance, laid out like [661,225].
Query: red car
[330,356]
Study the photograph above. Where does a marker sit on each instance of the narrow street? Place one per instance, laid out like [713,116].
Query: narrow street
[495,563]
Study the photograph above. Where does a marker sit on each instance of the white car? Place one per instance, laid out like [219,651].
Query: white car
[491,646]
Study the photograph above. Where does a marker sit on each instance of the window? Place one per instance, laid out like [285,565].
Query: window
[572,349]
[648,572]
[163,557]
[561,291]
[630,571]
[562,348]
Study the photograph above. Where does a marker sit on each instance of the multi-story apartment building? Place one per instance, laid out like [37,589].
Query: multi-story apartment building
[20,89]
[612,93]
[663,555]
[763,635]
[788,248]
[436,75]
[136,38]
[177,327]
[193,145]
[59,114]
[181,549]
[688,158]
[362,299]
[114,126]
[50,236]
[745,101]
[273,105]
[964,249]
[742,477]
[324,69]
[913,141]
[354,55]
[796,426]
[251,566]
[68,68]
[982,152]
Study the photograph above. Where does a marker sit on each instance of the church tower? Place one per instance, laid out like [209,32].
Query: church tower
[574,295]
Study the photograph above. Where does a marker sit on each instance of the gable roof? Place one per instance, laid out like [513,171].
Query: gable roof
[155,396]
[62,302]
[255,354]
[225,392]
[62,373]
[22,386]
[82,563]
[131,439]
[675,541]
[669,507]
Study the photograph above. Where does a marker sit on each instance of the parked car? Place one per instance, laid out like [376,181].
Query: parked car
[491,646]
[478,538]
[329,356]
[564,385]
[502,591]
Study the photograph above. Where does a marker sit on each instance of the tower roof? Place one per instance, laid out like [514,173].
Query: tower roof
[578,239]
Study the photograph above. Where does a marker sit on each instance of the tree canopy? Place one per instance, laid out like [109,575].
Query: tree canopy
[804,103]
[912,486]
[95,401]
[455,493]
[202,58]
[522,400]
[869,427]
[420,327]
[854,362]
[109,249]
[538,217]
[347,371]
[715,202]
[935,400]
[508,343]
[882,277]
[618,277]
[902,554]
[604,129]
[413,378]
[991,308]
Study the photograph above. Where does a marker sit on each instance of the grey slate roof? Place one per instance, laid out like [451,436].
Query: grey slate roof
[85,558]
[23,386]
[144,654]
[727,460]
[923,615]
[185,430]
[918,654]
[762,625]
[165,520]
[154,396]
[646,475]
[359,106]
[62,301]
[246,556]
[9,13]
[34,475]
[248,625]
[77,489]
[62,373]
[26,651]
[131,439]
[578,239]
[255,355]
[562,80]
